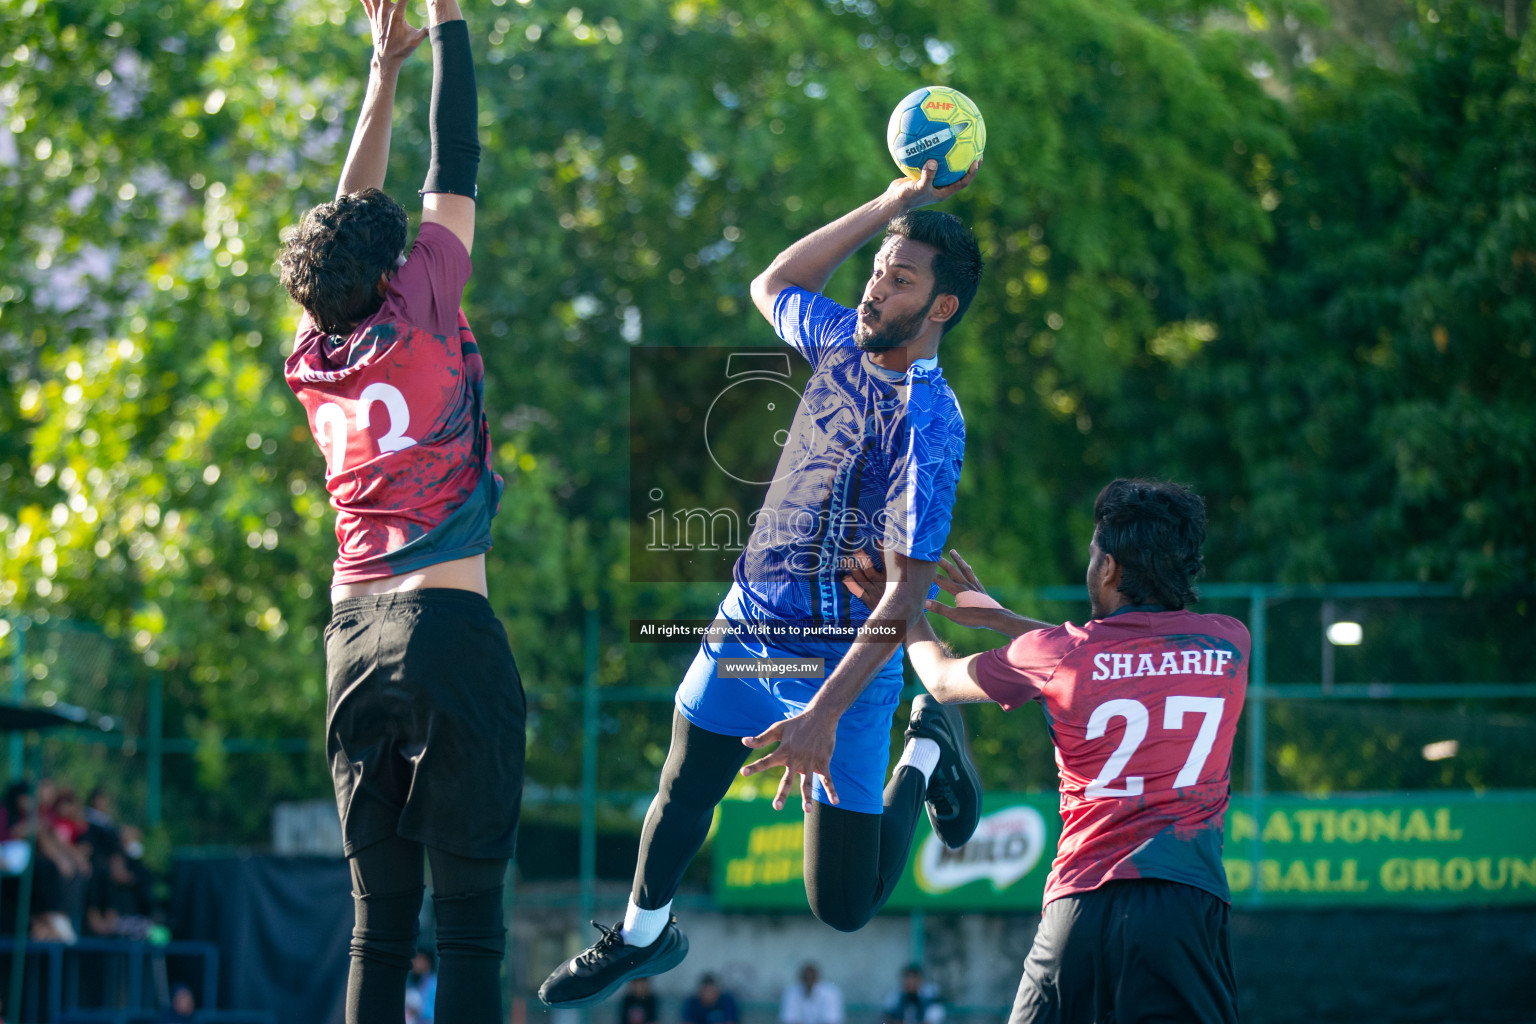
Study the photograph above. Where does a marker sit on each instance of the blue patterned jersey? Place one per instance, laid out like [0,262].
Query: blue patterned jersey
[873,458]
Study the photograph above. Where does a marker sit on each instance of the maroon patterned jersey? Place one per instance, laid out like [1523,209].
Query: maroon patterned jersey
[398,410]
[1142,706]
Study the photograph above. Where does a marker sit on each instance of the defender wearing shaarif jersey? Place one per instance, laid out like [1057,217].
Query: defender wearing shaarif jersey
[1142,702]
[871,463]
[425,709]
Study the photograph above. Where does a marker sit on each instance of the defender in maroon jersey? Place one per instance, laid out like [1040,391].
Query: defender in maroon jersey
[425,710]
[1142,702]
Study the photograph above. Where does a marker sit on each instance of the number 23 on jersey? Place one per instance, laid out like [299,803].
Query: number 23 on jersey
[333,427]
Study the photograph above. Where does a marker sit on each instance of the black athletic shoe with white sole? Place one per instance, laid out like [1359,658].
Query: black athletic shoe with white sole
[598,972]
[954,788]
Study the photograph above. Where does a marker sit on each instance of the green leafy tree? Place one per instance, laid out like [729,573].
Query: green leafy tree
[1157,301]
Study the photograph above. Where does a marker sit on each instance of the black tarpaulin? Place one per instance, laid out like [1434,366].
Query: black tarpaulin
[282,925]
[1471,965]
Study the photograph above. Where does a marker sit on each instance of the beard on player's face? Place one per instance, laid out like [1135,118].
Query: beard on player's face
[876,331]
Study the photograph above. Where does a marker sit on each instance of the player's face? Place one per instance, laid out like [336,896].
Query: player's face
[897,297]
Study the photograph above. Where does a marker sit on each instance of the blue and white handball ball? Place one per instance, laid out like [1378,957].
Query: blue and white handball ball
[936,123]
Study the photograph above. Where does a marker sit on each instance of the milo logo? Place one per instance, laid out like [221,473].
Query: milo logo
[1006,847]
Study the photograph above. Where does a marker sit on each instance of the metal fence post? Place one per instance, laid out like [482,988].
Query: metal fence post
[156,749]
[1327,616]
[589,725]
[1258,680]
[24,901]
[19,694]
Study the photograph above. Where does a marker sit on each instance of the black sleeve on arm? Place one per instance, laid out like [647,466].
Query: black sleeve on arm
[455,113]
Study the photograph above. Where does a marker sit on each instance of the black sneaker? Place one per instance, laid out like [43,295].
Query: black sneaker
[598,972]
[954,789]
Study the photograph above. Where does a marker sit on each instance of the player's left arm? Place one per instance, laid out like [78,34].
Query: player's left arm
[951,680]
[973,606]
[394,40]
[805,741]
[448,196]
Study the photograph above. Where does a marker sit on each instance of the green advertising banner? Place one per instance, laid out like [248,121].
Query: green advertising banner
[1405,848]
[759,860]
[1428,848]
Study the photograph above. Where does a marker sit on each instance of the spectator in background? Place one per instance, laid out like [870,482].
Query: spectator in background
[916,1001]
[54,868]
[811,1000]
[64,819]
[711,1005]
[119,899]
[421,990]
[639,1005]
[183,1008]
[67,818]
[101,830]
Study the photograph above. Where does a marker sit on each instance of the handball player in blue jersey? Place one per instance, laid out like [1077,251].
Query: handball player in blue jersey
[425,711]
[869,472]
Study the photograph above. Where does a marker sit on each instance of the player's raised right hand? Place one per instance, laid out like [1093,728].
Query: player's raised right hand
[911,193]
[394,37]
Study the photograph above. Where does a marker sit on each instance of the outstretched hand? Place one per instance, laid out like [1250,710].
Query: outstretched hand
[805,744]
[394,37]
[915,192]
[972,605]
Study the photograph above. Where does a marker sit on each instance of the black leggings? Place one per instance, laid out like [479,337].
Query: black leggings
[471,939]
[852,860]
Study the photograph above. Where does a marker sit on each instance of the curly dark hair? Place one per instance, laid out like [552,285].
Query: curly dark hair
[332,260]
[956,264]
[1154,530]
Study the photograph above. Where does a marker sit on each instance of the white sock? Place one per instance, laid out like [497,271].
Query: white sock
[643,927]
[921,753]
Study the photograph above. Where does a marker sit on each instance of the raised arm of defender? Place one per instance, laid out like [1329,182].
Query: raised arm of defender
[809,263]
[448,196]
[394,40]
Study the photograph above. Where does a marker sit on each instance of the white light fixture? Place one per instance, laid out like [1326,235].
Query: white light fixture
[1440,750]
[1345,634]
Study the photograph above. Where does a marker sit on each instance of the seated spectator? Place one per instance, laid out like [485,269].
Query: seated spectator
[639,1005]
[183,1008]
[101,831]
[421,990]
[117,904]
[811,1000]
[118,899]
[65,818]
[56,866]
[711,1005]
[916,1001]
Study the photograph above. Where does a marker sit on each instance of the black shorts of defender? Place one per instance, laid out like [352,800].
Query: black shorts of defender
[424,722]
[425,736]
[1130,952]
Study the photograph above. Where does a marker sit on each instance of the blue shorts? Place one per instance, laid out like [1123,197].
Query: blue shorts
[745,707]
